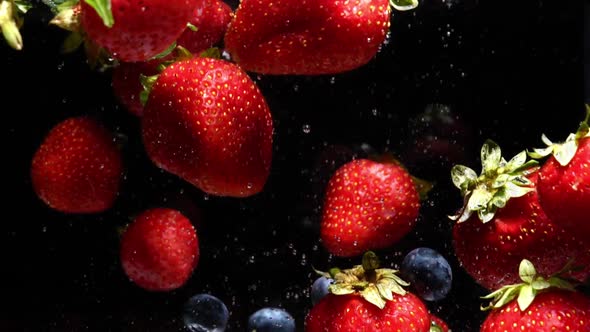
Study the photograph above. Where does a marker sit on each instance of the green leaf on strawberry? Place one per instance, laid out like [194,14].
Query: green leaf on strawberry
[103,9]
[10,22]
[525,292]
[403,5]
[563,152]
[499,181]
[374,284]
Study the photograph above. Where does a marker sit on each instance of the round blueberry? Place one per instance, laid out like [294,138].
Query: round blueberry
[205,313]
[319,289]
[271,320]
[428,273]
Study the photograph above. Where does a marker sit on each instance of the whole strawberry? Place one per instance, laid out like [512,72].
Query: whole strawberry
[159,250]
[502,223]
[368,205]
[537,305]
[306,37]
[366,298]
[207,122]
[564,181]
[127,84]
[137,30]
[78,167]
[210,19]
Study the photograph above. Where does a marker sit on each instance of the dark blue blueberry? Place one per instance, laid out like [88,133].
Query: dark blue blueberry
[271,320]
[428,273]
[319,289]
[205,313]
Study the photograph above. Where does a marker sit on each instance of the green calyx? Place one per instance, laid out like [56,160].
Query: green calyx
[67,17]
[147,82]
[499,181]
[403,5]
[434,327]
[104,11]
[374,284]
[11,19]
[525,292]
[563,152]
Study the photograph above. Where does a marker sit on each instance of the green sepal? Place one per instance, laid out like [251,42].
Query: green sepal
[499,181]
[10,22]
[191,27]
[374,284]
[525,292]
[212,52]
[104,11]
[22,6]
[434,327]
[403,5]
[68,18]
[165,53]
[147,82]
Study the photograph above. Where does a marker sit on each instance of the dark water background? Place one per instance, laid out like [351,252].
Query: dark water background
[508,70]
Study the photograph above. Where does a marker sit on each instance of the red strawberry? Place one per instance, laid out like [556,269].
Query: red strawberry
[127,85]
[208,123]
[564,182]
[211,19]
[352,313]
[368,205]
[437,324]
[306,37]
[141,29]
[159,250]
[78,167]
[510,224]
[367,298]
[537,306]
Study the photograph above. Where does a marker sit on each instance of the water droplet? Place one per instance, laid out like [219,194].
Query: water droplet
[306,128]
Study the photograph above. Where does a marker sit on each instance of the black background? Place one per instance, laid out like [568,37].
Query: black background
[509,70]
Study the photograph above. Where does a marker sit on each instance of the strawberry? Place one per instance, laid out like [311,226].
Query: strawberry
[207,122]
[437,324]
[510,225]
[210,18]
[127,84]
[368,205]
[366,298]
[537,305]
[137,30]
[564,181]
[159,249]
[306,37]
[78,167]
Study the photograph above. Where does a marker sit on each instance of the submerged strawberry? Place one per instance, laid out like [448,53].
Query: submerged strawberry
[137,30]
[564,181]
[159,250]
[306,37]
[368,298]
[207,122]
[537,305]
[78,167]
[368,205]
[509,225]
[210,21]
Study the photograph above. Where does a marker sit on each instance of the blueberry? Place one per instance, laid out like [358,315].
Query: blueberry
[205,313]
[271,320]
[428,273]
[319,289]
